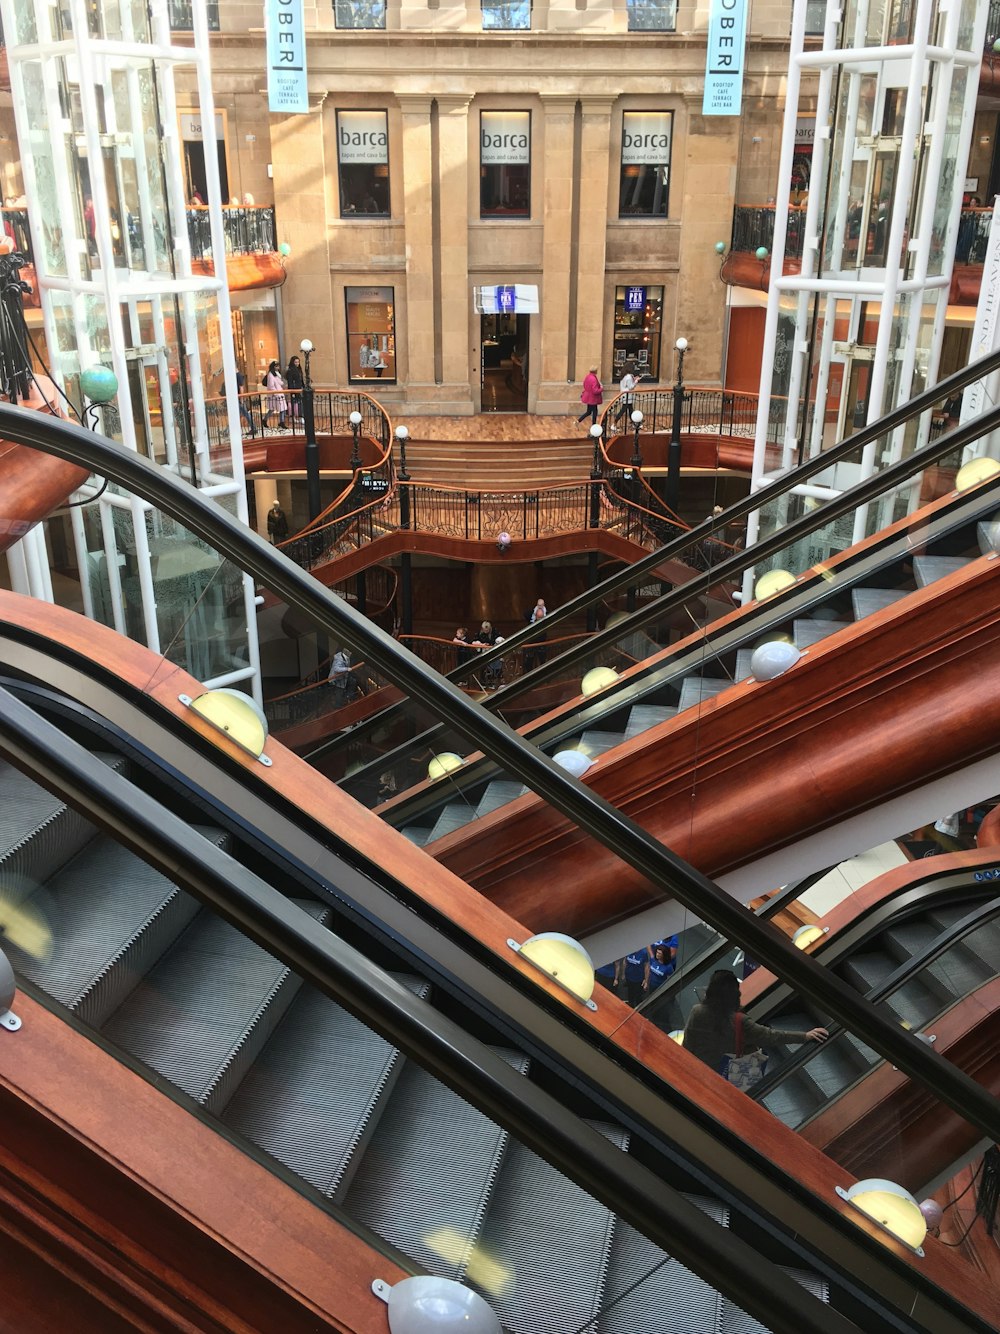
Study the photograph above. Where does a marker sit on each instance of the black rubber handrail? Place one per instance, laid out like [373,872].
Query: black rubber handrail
[674,550]
[898,1296]
[670,874]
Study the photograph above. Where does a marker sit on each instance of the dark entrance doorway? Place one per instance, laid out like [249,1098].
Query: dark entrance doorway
[504,376]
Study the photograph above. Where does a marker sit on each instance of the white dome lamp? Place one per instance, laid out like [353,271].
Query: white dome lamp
[575,762]
[771,660]
[425,1304]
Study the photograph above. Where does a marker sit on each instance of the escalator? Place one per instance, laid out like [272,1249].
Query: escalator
[687,1135]
[244,1038]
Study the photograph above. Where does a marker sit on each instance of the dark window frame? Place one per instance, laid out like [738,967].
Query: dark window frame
[342,6]
[522,170]
[394,365]
[349,209]
[637,8]
[497,7]
[625,170]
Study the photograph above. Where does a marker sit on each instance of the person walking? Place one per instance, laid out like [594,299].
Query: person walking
[276,400]
[592,396]
[710,1032]
[627,383]
[277,524]
[294,380]
[241,388]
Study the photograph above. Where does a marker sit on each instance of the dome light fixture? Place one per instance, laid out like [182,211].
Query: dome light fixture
[769,661]
[891,1208]
[236,715]
[774,581]
[445,763]
[975,471]
[575,762]
[425,1304]
[563,960]
[8,987]
[597,679]
[808,935]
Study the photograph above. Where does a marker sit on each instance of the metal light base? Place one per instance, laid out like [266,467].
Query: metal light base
[10,1021]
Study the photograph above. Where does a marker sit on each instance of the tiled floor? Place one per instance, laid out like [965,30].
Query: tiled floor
[851,875]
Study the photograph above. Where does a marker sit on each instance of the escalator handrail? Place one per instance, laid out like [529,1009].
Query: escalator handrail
[731,567]
[674,877]
[708,528]
[441,1046]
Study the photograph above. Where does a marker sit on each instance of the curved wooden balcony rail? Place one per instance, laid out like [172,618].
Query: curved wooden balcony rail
[658,865]
[81,1147]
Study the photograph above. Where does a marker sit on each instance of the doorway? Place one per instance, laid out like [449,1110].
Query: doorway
[503,341]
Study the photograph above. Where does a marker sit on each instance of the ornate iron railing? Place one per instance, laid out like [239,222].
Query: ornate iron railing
[249,230]
[720,412]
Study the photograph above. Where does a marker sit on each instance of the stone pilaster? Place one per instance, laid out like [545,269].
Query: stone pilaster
[557,231]
[453,243]
[421,333]
[595,157]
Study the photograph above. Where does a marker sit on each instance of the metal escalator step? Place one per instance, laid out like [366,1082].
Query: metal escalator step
[558,1274]
[914,1003]
[835,1066]
[417,834]
[946,915]
[805,633]
[868,601]
[735,1321]
[905,939]
[425,1180]
[643,1279]
[928,569]
[959,971]
[111,918]
[454,816]
[38,831]
[743,657]
[644,716]
[201,1015]
[598,743]
[794,1100]
[985,942]
[499,793]
[313,1097]
[696,689]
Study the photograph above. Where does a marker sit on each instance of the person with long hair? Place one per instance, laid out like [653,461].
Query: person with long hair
[710,1033]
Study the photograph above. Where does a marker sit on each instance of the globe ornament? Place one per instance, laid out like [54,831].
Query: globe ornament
[285,249]
[772,660]
[99,383]
[720,247]
[762,253]
[598,678]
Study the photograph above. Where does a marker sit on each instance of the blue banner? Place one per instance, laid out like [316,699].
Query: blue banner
[287,89]
[727,29]
[635,299]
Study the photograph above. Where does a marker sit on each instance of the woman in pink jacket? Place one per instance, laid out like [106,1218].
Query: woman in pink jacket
[592,396]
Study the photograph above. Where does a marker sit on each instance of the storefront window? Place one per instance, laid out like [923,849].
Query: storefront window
[505,164]
[645,178]
[506,14]
[359,13]
[363,163]
[652,15]
[371,334]
[638,319]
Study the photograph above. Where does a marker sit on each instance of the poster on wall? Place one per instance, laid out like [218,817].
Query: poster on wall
[727,22]
[287,89]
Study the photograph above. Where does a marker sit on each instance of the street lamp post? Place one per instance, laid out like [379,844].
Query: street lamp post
[355,420]
[402,435]
[674,452]
[636,447]
[309,427]
[596,431]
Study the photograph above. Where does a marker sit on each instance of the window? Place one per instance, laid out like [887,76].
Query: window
[505,164]
[182,19]
[506,14]
[359,13]
[645,178]
[363,163]
[371,334]
[652,15]
[638,318]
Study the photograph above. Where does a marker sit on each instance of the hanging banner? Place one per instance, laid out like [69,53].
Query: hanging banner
[727,25]
[286,57]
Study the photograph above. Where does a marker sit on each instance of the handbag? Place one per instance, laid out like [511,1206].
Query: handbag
[743,1071]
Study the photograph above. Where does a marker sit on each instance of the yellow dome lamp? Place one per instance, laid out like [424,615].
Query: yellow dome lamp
[677,1035]
[773,581]
[598,679]
[563,960]
[236,715]
[975,471]
[808,935]
[442,765]
[891,1208]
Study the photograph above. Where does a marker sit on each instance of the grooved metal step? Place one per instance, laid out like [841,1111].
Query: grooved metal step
[805,633]
[203,1012]
[696,689]
[314,1095]
[929,569]
[644,716]
[499,793]
[425,1183]
[596,743]
[868,601]
[452,817]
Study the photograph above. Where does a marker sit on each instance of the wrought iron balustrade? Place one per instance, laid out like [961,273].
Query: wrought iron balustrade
[248,229]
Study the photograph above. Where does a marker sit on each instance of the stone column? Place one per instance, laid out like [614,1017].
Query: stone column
[454,293]
[557,251]
[595,156]
[421,333]
[298,154]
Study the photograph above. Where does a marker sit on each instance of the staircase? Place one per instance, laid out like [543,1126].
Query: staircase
[499,465]
[294,1077]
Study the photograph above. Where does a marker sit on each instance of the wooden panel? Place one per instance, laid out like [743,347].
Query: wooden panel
[245,273]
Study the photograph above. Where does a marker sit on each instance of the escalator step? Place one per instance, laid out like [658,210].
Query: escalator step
[38,831]
[682,1302]
[928,569]
[644,716]
[915,1002]
[557,1274]
[696,689]
[805,633]
[735,1321]
[425,1180]
[596,743]
[905,939]
[959,972]
[416,834]
[499,793]
[743,670]
[984,942]
[454,816]
[835,1066]
[946,915]
[201,1015]
[868,601]
[314,1096]
[111,917]
[793,1101]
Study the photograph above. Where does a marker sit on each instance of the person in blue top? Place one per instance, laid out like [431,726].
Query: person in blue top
[607,974]
[636,972]
[661,965]
[669,944]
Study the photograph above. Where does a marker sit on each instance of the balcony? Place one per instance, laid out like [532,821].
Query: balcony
[252,258]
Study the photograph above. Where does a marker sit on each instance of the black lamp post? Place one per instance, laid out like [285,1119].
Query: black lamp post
[309,427]
[594,516]
[674,452]
[402,435]
[636,447]
[355,420]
